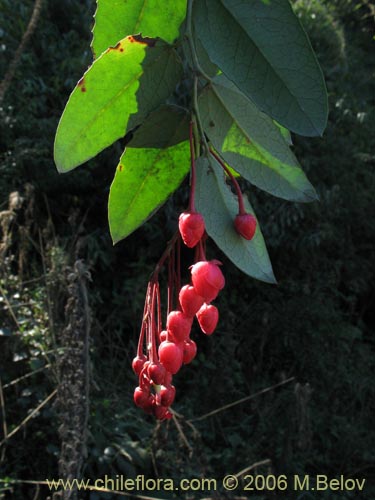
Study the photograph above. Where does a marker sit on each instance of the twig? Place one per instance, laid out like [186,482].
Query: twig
[10,309]
[239,401]
[253,466]
[29,417]
[4,85]
[182,434]
[3,415]
[27,375]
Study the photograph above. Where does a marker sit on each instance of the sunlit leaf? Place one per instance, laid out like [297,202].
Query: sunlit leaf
[115,19]
[251,143]
[144,179]
[116,93]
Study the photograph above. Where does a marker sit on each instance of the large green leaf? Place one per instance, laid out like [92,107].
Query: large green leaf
[144,179]
[261,46]
[116,93]
[251,143]
[219,207]
[115,19]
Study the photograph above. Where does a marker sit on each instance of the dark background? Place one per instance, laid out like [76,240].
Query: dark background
[317,325]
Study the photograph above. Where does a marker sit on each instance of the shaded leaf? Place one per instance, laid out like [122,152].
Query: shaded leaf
[164,127]
[144,179]
[115,19]
[116,93]
[261,46]
[219,206]
[251,143]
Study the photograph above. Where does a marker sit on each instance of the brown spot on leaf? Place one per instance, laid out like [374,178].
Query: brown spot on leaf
[120,168]
[81,84]
[142,40]
[116,47]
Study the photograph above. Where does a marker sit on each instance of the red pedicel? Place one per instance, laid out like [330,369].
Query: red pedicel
[245,225]
[207,317]
[191,226]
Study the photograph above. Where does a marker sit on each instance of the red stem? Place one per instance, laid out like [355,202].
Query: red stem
[192,171]
[178,274]
[143,327]
[241,205]
[153,356]
[158,305]
[165,255]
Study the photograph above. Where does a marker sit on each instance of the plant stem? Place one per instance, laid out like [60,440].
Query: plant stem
[189,37]
[241,205]
[165,255]
[192,170]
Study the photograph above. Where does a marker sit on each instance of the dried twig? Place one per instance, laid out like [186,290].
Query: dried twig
[239,401]
[253,466]
[27,375]
[3,415]
[4,85]
[29,417]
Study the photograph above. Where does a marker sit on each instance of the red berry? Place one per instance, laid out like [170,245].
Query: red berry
[137,363]
[156,372]
[170,355]
[190,351]
[163,335]
[167,395]
[179,325]
[207,317]
[141,397]
[161,412]
[190,301]
[245,225]
[207,279]
[191,227]
[149,405]
[167,378]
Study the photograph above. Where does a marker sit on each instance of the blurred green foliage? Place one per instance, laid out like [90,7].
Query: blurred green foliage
[317,325]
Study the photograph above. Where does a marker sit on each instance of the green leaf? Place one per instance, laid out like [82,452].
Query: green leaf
[166,126]
[285,133]
[219,207]
[251,143]
[144,179]
[261,46]
[115,19]
[116,93]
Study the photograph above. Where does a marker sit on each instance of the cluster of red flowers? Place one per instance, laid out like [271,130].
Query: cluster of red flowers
[168,349]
